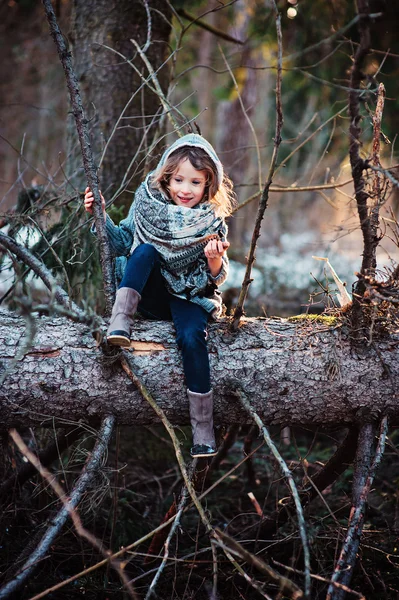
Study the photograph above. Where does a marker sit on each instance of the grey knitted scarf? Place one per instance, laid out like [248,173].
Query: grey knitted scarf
[180,235]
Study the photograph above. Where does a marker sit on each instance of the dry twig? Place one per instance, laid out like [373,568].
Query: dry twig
[365,469]
[187,480]
[291,483]
[239,310]
[40,269]
[176,522]
[284,584]
[46,457]
[69,509]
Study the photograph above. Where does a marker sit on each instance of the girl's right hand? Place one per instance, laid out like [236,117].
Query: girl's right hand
[89,199]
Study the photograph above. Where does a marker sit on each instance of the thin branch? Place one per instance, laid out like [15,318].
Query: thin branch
[285,585]
[207,12]
[319,578]
[239,310]
[87,155]
[360,17]
[69,509]
[305,141]
[176,523]
[284,468]
[25,256]
[214,30]
[378,177]
[46,457]
[291,188]
[166,105]
[138,542]
[245,113]
[365,470]
[358,164]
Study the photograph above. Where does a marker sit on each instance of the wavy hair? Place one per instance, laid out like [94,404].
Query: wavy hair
[221,196]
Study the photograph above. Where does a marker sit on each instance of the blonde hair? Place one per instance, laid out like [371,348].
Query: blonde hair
[220,195]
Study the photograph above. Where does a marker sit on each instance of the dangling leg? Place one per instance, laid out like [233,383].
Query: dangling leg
[190,322]
[139,268]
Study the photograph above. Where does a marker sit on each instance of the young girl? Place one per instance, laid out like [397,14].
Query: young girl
[175,237]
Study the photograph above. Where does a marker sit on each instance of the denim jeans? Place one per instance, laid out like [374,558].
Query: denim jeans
[143,274]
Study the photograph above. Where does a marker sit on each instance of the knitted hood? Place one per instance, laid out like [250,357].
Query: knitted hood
[193,139]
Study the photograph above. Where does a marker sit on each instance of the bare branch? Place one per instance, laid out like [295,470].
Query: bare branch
[46,457]
[290,188]
[88,161]
[378,176]
[176,523]
[284,468]
[319,578]
[365,468]
[218,32]
[239,310]
[358,165]
[285,585]
[69,508]
[359,18]
[25,256]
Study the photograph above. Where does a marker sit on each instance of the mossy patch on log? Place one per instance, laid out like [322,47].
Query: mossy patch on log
[306,318]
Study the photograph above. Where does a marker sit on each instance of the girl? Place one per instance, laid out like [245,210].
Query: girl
[175,237]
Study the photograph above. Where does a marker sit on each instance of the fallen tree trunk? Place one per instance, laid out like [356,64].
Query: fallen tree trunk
[292,373]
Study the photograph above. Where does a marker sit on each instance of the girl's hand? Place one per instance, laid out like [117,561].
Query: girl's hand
[89,199]
[215,249]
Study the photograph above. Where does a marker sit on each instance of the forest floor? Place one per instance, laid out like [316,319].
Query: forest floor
[138,486]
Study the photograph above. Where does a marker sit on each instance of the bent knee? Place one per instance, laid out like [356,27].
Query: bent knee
[147,250]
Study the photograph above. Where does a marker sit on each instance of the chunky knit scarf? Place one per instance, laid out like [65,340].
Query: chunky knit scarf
[180,235]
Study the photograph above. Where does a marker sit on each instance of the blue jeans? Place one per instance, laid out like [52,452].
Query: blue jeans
[143,274]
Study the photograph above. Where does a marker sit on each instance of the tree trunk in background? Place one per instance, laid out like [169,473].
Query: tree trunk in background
[108,83]
[293,374]
[202,79]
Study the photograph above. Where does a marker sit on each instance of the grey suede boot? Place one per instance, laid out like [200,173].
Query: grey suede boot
[201,416]
[125,306]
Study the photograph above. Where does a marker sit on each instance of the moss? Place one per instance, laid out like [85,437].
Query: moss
[306,318]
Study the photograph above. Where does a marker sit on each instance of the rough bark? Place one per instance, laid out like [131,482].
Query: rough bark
[108,83]
[292,373]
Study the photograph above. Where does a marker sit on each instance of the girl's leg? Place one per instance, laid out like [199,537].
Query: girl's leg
[190,322]
[139,267]
[142,284]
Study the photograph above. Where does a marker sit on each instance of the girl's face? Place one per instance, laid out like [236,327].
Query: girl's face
[187,185]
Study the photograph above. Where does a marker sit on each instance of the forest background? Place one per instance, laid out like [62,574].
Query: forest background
[220,76]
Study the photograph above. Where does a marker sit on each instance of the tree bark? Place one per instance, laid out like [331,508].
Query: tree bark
[108,83]
[293,374]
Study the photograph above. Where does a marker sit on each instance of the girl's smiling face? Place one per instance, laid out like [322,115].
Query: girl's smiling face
[187,185]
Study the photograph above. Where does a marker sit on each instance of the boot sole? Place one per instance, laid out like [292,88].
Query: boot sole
[203,455]
[118,340]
